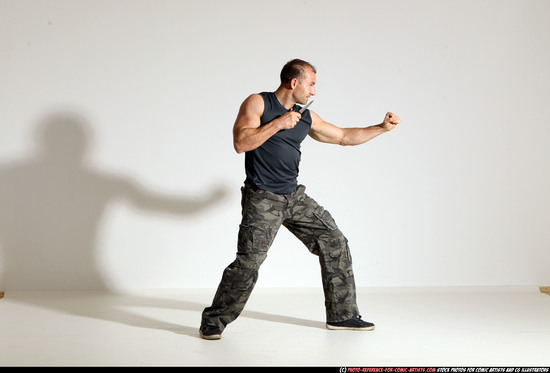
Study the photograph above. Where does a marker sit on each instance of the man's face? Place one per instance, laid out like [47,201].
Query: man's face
[305,87]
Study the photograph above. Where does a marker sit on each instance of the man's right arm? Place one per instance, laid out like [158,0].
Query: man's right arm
[248,134]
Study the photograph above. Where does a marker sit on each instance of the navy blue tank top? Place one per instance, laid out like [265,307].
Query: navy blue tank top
[274,165]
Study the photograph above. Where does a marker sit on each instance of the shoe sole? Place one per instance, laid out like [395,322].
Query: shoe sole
[364,329]
[211,337]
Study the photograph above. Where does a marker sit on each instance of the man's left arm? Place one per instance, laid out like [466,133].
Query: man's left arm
[325,132]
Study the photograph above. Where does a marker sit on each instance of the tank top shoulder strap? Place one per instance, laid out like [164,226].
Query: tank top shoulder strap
[271,107]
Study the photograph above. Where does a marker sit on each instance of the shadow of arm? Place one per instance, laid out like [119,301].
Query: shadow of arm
[150,201]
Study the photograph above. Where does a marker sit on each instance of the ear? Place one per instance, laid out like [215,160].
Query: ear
[293,83]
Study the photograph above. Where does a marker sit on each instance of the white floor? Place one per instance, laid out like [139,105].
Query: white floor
[279,327]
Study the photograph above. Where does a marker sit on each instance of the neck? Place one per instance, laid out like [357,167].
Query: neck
[285,97]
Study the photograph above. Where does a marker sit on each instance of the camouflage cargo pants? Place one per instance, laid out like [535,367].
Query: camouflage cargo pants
[263,214]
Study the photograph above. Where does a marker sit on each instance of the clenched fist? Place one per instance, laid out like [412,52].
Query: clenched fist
[289,120]
[390,121]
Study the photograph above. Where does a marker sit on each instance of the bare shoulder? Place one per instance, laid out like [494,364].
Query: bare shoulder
[250,112]
[253,104]
[317,124]
[315,119]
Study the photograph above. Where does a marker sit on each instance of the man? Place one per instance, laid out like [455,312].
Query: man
[269,129]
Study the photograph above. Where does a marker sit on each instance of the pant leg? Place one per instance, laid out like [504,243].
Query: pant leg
[316,228]
[262,217]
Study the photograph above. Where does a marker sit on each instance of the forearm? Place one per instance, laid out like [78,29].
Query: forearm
[247,139]
[358,136]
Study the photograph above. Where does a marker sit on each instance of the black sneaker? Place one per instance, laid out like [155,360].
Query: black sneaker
[210,332]
[351,324]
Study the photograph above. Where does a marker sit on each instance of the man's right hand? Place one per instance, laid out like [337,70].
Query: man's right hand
[288,120]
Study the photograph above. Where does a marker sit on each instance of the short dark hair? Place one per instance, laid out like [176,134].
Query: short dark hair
[295,69]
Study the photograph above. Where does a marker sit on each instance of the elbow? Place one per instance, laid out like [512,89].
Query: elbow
[239,148]
[344,141]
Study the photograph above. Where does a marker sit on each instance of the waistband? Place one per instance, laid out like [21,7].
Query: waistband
[299,189]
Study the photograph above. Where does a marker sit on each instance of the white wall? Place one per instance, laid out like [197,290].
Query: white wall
[456,195]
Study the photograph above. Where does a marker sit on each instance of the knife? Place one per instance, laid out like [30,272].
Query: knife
[301,111]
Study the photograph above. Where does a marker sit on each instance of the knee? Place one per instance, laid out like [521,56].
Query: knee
[335,247]
[249,261]
[242,274]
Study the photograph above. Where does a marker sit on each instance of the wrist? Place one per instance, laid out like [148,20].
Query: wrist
[382,127]
[277,124]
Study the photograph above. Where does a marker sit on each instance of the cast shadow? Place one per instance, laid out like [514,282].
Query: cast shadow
[51,207]
[135,310]
[52,204]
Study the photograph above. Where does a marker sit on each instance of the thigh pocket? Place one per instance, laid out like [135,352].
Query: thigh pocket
[326,218]
[254,238]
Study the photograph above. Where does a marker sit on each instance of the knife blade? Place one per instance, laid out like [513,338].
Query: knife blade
[305,107]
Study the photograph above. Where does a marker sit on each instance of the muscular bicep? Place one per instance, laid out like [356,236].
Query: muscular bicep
[250,113]
[248,122]
[325,132]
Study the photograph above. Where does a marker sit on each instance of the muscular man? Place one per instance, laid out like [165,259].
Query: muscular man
[269,129]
